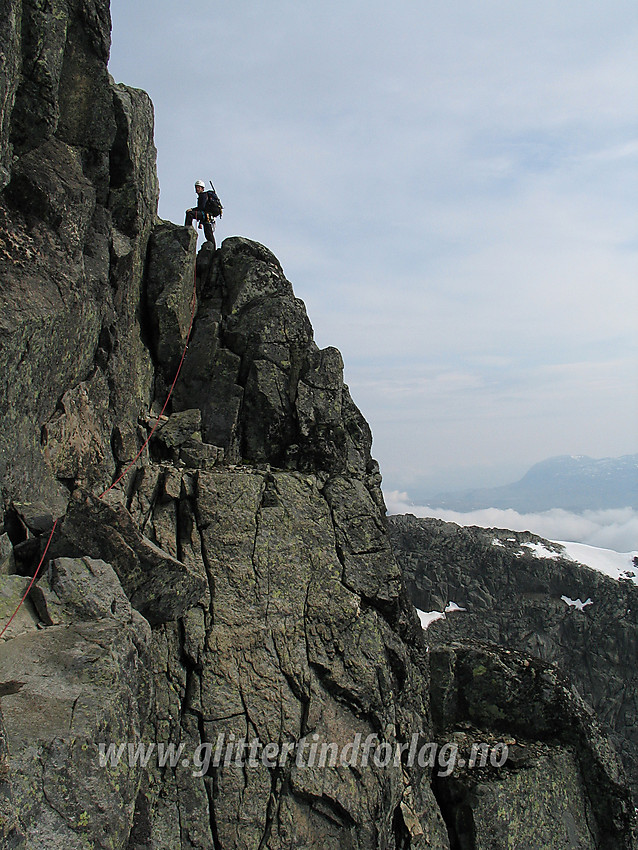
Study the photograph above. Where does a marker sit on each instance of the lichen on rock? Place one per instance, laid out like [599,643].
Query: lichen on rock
[219,565]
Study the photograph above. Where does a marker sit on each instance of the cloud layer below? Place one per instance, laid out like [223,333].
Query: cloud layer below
[610,529]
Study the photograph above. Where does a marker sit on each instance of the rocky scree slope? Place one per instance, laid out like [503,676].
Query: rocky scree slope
[238,580]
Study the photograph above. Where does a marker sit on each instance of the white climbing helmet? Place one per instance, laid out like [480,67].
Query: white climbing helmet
[200,183]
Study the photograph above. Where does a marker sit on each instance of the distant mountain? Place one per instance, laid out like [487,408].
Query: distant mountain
[574,483]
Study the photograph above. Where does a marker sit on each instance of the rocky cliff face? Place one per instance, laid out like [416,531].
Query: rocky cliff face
[236,584]
[78,203]
[511,585]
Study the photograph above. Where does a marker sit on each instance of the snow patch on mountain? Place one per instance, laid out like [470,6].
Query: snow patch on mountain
[618,565]
[429,617]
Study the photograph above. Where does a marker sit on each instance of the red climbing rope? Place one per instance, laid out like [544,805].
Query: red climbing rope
[135,459]
[31,583]
[168,397]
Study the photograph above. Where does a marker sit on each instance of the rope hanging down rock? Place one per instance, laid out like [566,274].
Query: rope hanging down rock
[132,463]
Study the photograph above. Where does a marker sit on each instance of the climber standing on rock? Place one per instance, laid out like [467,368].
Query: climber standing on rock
[208,208]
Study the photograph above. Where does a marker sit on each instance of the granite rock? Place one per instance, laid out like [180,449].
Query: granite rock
[231,579]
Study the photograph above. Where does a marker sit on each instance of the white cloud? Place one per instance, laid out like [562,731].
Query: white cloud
[611,529]
[626,150]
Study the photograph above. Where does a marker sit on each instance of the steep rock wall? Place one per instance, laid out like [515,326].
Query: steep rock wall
[79,200]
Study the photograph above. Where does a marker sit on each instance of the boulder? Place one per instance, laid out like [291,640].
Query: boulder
[158,586]
[7,563]
[179,428]
[78,590]
[198,455]
[28,518]
[12,588]
[78,689]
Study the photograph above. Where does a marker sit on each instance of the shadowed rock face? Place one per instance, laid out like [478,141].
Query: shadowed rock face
[236,584]
[556,792]
[79,200]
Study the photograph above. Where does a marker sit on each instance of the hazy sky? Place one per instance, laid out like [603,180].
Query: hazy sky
[450,187]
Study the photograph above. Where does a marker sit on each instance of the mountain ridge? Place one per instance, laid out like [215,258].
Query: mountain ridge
[570,482]
[513,588]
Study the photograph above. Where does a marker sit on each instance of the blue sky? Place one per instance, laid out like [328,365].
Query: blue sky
[450,187]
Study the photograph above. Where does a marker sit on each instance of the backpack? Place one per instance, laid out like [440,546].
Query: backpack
[213,205]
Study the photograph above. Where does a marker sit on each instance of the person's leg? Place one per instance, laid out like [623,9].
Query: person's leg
[209,229]
[190,215]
